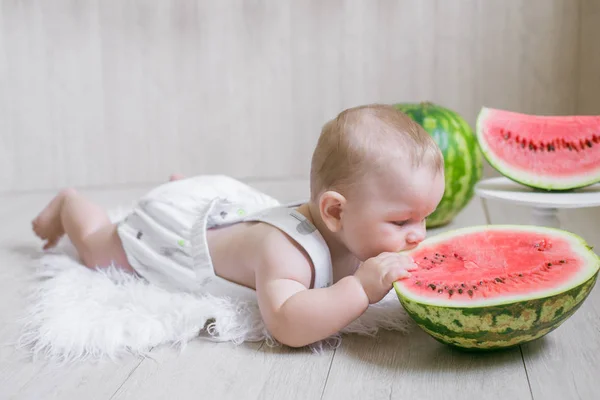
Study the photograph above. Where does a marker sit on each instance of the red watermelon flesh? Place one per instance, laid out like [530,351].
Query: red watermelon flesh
[546,152]
[496,264]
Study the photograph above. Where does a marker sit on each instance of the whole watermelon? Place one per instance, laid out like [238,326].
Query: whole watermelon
[462,158]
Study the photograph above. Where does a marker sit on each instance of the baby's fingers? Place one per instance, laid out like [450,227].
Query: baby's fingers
[402,274]
[396,274]
[405,262]
[411,266]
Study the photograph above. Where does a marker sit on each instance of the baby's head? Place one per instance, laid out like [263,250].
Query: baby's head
[375,176]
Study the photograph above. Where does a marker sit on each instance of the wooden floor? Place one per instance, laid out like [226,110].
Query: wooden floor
[565,365]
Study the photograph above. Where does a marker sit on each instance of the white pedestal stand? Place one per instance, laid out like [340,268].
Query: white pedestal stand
[545,205]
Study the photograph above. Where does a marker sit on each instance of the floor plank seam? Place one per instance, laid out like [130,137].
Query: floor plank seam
[328,372]
[575,385]
[126,378]
[526,373]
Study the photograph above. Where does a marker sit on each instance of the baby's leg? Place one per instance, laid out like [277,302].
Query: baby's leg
[88,227]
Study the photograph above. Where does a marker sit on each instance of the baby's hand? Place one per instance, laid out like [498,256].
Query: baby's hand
[377,274]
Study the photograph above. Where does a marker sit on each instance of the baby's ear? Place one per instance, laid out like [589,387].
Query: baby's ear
[331,205]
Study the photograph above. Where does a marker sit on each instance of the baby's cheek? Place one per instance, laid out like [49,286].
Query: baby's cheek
[390,239]
[389,232]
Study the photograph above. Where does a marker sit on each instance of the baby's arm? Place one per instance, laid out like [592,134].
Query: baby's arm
[296,316]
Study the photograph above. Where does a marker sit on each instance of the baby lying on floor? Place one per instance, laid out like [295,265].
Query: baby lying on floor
[313,267]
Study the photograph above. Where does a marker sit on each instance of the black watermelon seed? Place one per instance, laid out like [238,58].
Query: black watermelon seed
[440,291]
[549,264]
[470,292]
[589,144]
[562,261]
[432,286]
[460,291]
[450,292]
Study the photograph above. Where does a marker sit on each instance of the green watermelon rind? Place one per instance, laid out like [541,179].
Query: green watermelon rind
[524,177]
[503,323]
[497,335]
[502,338]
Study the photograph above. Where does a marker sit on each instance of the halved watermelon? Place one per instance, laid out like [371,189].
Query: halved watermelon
[497,286]
[544,152]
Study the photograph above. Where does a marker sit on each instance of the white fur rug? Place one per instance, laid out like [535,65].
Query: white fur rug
[79,314]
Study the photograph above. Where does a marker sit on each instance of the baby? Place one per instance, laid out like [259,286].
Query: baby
[313,267]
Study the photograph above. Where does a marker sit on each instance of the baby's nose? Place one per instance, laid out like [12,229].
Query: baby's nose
[415,236]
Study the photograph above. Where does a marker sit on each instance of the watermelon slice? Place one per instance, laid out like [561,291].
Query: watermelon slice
[543,152]
[497,286]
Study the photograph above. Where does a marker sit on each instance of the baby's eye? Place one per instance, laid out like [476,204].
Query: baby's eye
[400,223]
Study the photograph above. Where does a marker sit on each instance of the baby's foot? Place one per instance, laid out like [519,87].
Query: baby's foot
[47,225]
[175,177]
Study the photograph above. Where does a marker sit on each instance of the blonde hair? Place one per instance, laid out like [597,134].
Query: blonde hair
[362,138]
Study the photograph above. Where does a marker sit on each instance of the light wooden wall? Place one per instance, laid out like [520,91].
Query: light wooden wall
[589,58]
[108,92]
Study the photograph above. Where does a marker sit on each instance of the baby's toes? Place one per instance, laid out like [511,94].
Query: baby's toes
[51,243]
[36,227]
[41,230]
[175,177]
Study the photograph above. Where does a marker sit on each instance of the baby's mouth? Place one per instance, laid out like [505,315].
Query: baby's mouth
[407,247]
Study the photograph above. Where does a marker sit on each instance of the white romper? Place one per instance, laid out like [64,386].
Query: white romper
[164,236]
